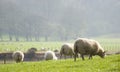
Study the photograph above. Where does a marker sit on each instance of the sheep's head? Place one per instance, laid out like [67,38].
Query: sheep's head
[18,56]
[102,54]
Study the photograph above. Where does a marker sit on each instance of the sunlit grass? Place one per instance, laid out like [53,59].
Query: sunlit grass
[109,64]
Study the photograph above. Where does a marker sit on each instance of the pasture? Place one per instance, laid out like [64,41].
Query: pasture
[111,63]
[24,46]
[111,45]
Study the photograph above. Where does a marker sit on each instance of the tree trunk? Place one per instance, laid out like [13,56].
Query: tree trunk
[27,38]
[36,37]
[46,38]
[17,38]
[30,38]
[1,38]
[10,37]
[4,58]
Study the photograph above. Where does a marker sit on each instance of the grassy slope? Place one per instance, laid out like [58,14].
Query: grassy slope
[109,64]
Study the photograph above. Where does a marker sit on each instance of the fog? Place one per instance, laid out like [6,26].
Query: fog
[59,19]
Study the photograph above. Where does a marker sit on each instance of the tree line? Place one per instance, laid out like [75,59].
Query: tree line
[57,20]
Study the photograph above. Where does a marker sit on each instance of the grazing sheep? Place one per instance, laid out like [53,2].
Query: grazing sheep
[66,50]
[56,50]
[18,56]
[50,55]
[88,47]
[31,53]
[32,50]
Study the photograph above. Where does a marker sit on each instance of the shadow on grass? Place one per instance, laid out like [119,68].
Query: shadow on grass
[118,60]
[74,66]
[114,70]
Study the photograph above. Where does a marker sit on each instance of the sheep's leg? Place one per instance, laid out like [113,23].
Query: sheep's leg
[75,56]
[65,56]
[60,56]
[90,57]
[82,57]
[71,56]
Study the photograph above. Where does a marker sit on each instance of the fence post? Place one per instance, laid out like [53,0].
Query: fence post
[4,58]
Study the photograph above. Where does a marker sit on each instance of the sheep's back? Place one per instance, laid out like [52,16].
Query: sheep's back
[67,49]
[48,56]
[85,46]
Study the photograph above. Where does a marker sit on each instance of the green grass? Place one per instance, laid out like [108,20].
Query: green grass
[24,46]
[108,44]
[109,64]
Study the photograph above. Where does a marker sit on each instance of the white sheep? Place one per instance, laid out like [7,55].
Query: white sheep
[66,50]
[50,55]
[18,56]
[89,47]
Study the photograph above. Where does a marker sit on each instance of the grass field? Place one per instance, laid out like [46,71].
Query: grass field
[107,44]
[24,46]
[109,64]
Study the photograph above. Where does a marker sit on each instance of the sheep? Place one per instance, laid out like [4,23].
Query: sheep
[50,55]
[31,53]
[56,50]
[18,56]
[89,47]
[32,50]
[66,50]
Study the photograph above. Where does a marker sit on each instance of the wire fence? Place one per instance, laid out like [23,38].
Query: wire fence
[107,44]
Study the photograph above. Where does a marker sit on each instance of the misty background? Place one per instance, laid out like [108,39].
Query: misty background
[58,19]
